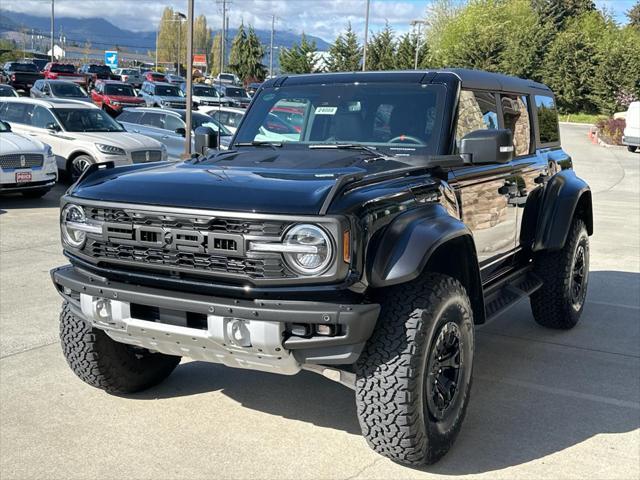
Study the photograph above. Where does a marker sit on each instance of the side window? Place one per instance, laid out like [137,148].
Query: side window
[17,113]
[41,117]
[547,119]
[153,119]
[476,111]
[130,116]
[172,123]
[234,119]
[515,113]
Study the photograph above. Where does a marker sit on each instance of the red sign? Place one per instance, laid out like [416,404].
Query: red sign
[199,60]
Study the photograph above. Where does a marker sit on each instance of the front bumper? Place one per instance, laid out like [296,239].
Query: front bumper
[41,177]
[631,141]
[253,334]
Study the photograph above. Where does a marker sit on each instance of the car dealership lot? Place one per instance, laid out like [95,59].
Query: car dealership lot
[546,403]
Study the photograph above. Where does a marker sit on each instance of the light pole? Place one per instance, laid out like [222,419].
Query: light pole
[178,17]
[417,23]
[366,35]
[187,138]
[53,14]
[273,24]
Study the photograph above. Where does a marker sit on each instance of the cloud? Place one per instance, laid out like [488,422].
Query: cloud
[322,18]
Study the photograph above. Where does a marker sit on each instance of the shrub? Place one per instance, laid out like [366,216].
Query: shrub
[610,130]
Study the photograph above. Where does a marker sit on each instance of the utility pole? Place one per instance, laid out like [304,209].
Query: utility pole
[366,36]
[188,120]
[417,23]
[157,35]
[223,34]
[52,28]
[273,25]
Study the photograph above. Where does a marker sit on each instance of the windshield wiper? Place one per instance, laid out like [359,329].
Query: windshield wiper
[346,146]
[256,143]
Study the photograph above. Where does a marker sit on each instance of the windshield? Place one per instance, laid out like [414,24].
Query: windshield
[99,69]
[6,91]
[167,91]
[119,90]
[67,90]
[86,120]
[201,120]
[205,91]
[129,71]
[235,92]
[226,76]
[397,119]
[63,68]
[24,67]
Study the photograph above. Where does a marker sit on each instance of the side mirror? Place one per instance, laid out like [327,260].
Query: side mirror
[181,131]
[487,146]
[53,127]
[205,139]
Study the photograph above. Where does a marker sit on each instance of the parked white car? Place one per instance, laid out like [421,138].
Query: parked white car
[79,133]
[228,116]
[26,165]
[631,134]
[274,129]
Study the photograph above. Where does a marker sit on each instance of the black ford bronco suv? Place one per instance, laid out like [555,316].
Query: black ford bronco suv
[363,241]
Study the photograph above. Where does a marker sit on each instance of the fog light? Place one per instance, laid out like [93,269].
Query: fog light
[238,333]
[102,309]
[326,330]
[300,330]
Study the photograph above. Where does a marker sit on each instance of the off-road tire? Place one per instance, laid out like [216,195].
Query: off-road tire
[552,304]
[111,366]
[632,148]
[391,399]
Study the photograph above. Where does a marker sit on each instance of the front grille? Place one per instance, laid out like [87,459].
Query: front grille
[224,254]
[143,156]
[17,160]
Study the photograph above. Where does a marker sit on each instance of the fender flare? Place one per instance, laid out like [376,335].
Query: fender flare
[564,194]
[408,243]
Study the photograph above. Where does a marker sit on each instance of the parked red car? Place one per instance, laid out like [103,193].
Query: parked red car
[64,71]
[112,96]
[155,77]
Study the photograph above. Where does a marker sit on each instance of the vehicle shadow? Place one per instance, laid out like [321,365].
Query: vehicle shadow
[15,201]
[536,392]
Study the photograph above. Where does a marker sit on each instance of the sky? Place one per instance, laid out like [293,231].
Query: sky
[322,18]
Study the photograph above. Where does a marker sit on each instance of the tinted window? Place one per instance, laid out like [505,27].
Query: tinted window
[205,91]
[62,68]
[41,117]
[99,69]
[130,116]
[122,90]
[515,112]
[15,112]
[69,90]
[167,91]
[87,120]
[23,67]
[547,119]
[153,119]
[235,92]
[6,91]
[172,123]
[201,120]
[476,111]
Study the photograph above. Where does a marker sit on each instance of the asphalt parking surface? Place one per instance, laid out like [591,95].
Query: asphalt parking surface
[545,404]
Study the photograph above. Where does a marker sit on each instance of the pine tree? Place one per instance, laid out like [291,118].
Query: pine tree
[245,58]
[299,58]
[633,14]
[406,52]
[381,50]
[558,12]
[345,54]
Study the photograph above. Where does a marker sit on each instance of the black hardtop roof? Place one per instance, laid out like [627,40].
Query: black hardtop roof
[472,79]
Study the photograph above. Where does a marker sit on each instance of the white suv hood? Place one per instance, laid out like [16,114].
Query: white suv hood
[11,142]
[125,140]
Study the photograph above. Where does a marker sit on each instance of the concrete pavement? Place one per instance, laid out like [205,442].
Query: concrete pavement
[545,404]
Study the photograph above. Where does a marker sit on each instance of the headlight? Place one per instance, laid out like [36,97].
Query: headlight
[116,104]
[74,226]
[110,149]
[307,249]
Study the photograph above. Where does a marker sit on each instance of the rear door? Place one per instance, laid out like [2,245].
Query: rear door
[173,141]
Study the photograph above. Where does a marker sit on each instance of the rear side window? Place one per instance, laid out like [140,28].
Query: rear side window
[130,117]
[153,120]
[476,111]
[547,119]
[515,112]
[16,113]
[42,118]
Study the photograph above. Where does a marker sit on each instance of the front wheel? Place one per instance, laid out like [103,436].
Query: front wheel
[565,275]
[78,165]
[632,148]
[413,379]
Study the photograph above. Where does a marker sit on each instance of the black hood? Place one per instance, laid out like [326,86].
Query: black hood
[288,181]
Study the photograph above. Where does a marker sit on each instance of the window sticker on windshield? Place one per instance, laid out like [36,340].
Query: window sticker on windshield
[326,110]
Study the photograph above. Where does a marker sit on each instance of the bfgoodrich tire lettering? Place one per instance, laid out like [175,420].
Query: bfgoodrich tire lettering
[398,367]
[102,363]
[565,273]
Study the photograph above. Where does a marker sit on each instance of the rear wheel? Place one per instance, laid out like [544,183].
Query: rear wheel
[565,275]
[632,148]
[414,377]
[103,363]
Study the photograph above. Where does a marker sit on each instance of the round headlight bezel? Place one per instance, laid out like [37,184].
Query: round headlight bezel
[291,258]
[72,237]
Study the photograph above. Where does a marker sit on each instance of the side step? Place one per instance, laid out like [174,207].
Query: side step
[506,292]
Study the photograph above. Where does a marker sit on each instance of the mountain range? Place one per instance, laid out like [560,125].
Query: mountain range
[103,34]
